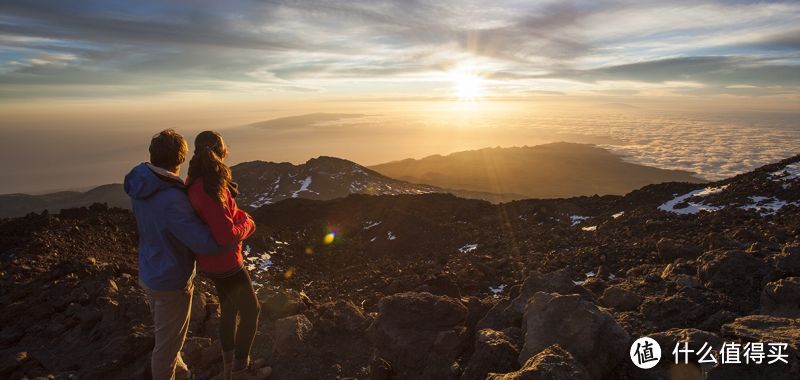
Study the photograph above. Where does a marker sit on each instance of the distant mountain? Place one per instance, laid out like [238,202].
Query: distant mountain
[320,178]
[13,205]
[260,183]
[494,174]
[556,170]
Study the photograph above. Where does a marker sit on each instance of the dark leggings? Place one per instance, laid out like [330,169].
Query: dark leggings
[237,297]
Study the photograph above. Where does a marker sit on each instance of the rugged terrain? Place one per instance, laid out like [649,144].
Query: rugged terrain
[432,286]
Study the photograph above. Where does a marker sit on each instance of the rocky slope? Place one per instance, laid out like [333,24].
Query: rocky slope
[262,183]
[321,178]
[433,286]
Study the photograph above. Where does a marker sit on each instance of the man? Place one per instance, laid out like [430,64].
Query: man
[169,235]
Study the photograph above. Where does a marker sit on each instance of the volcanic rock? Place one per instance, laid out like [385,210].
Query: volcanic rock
[290,335]
[788,261]
[420,334]
[671,249]
[494,352]
[589,333]
[782,298]
[341,316]
[695,339]
[276,304]
[620,299]
[552,363]
[766,329]
[553,282]
[735,273]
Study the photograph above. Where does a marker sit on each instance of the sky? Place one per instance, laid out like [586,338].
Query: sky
[84,84]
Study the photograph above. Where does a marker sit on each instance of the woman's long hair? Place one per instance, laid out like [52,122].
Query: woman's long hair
[207,163]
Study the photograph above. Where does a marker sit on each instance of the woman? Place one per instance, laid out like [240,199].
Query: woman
[212,193]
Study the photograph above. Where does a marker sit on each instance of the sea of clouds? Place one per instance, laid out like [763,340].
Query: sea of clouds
[712,146]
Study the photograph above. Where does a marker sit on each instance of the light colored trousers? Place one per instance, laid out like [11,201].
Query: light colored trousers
[171,310]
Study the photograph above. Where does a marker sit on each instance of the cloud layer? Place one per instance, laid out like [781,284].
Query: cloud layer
[396,48]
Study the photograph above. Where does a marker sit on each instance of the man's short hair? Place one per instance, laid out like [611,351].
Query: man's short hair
[168,149]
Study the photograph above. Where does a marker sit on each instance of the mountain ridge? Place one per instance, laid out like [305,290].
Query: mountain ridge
[554,170]
[322,177]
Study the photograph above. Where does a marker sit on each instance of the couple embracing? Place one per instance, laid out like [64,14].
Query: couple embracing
[183,222]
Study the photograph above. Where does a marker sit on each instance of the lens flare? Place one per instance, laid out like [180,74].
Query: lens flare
[288,274]
[329,237]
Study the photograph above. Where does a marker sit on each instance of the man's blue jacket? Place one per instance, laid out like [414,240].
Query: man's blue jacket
[170,232]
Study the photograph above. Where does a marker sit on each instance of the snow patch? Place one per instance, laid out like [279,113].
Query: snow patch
[617,215]
[766,205]
[468,248]
[303,187]
[390,236]
[497,289]
[789,173]
[589,228]
[371,224]
[577,219]
[692,207]
[589,274]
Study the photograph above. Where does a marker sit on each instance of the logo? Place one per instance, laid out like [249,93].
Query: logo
[645,353]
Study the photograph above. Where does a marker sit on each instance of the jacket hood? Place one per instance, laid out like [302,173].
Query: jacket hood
[142,182]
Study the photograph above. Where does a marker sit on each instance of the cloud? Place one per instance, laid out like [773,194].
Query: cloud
[149,47]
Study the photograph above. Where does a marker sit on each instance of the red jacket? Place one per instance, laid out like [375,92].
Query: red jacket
[228,224]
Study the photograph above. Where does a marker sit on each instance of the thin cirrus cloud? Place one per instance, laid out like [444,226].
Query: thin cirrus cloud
[100,48]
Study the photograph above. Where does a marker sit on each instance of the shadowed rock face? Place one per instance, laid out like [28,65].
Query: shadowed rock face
[463,288]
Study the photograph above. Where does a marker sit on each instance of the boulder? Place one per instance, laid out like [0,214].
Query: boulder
[596,285]
[499,317]
[782,298]
[198,315]
[766,329]
[440,284]
[671,249]
[620,299]
[193,351]
[276,304]
[735,273]
[788,261]
[587,332]
[559,281]
[342,317]
[420,334]
[494,352]
[552,363]
[693,337]
[686,307]
[290,335]
[682,274]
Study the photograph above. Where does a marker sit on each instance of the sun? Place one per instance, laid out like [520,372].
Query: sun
[468,86]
